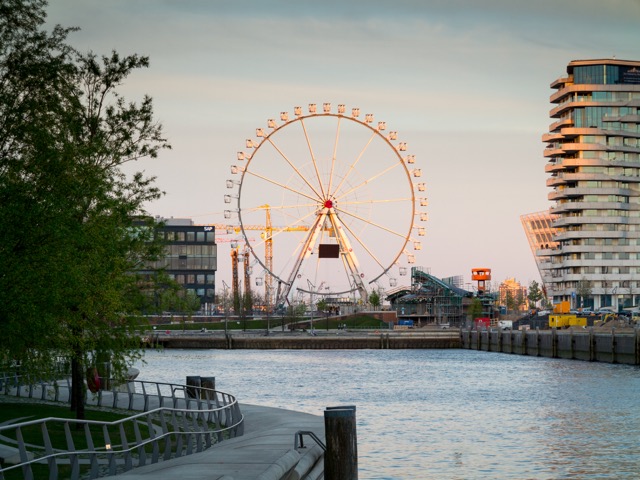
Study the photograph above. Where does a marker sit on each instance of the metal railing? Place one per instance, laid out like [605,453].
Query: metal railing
[175,420]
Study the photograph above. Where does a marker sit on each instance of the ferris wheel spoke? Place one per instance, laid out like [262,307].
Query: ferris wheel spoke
[363,245]
[374,224]
[353,165]
[294,226]
[298,172]
[279,184]
[313,158]
[283,207]
[367,202]
[366,181]
[335,155]
[306,247]
[285,211]
[350,261]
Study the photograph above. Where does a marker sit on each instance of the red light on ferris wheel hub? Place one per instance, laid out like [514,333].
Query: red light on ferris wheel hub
[328,204]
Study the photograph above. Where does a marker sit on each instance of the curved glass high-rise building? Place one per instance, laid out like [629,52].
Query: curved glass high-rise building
[593,162]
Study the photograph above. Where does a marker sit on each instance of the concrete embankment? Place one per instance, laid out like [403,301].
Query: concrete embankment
[435,339]
[611,346]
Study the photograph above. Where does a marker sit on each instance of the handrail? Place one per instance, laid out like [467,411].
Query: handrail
[189,425]
[298,440]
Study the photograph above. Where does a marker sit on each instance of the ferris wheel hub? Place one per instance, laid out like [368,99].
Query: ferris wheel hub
[328,203]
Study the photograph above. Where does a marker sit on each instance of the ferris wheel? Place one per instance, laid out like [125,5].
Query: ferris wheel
[337,198]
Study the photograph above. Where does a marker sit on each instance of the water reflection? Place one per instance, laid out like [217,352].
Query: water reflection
[444,414]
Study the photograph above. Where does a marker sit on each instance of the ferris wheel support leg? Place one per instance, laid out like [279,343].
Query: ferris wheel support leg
[305,251]
[349,259]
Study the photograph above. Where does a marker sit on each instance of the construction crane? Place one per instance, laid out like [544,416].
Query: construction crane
[267,236]
[268,255]
[240,302]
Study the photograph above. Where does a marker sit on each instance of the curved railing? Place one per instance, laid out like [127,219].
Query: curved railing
[175,420]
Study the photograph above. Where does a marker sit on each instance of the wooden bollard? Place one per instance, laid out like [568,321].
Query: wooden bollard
[341,457]
[193,387]
[208,383]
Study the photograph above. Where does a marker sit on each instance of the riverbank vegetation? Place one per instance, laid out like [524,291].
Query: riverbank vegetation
[72,224]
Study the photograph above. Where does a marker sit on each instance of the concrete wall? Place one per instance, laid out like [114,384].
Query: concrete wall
[449,339]
[576,344]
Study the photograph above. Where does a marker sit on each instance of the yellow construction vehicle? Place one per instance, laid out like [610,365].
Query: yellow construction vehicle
[566,321]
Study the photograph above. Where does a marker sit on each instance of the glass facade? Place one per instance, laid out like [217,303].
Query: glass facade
[606,75]
[191,257]
[593,162]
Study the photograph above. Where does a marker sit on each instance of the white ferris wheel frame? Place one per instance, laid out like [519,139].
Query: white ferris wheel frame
[326,210]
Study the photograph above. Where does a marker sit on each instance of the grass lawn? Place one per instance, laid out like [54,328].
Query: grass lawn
[33,436]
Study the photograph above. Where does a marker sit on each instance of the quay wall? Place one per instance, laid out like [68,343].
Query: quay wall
[610,346]
[282,342]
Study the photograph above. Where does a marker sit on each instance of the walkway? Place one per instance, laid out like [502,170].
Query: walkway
[265,451]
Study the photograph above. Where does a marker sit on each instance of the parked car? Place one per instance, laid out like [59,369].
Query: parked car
[606,310]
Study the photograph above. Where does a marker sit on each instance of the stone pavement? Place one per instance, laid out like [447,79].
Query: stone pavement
[265,452]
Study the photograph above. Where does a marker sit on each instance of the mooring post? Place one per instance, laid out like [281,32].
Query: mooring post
[341,457]
[613,345]
[193,386]
[208,383]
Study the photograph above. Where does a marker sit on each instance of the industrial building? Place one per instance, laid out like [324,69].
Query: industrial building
[593,162]
[430,300]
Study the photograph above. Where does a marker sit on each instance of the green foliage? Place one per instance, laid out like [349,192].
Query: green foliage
[475,309]
[295,312]
[322,305]
[67,236]
[534,294]
[247,302]
[167,295]
[236,303]
[374,299]
[510,300]
[585,289]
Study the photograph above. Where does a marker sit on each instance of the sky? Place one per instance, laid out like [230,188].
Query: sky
[466,83]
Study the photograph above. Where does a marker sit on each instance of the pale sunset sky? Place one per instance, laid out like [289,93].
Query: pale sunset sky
[464,82]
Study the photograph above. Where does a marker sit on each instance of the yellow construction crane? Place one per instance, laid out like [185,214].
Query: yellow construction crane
[267,236]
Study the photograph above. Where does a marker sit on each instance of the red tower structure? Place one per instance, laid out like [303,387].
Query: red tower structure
[481,275]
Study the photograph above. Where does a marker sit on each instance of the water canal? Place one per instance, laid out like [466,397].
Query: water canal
[444,414]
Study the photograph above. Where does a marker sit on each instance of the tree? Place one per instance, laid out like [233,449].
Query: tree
[584,290]
[510,300]
[519,300]
[475,309]
[534,294]
[374,299]
[295,312]
[322,305]
[68,242]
